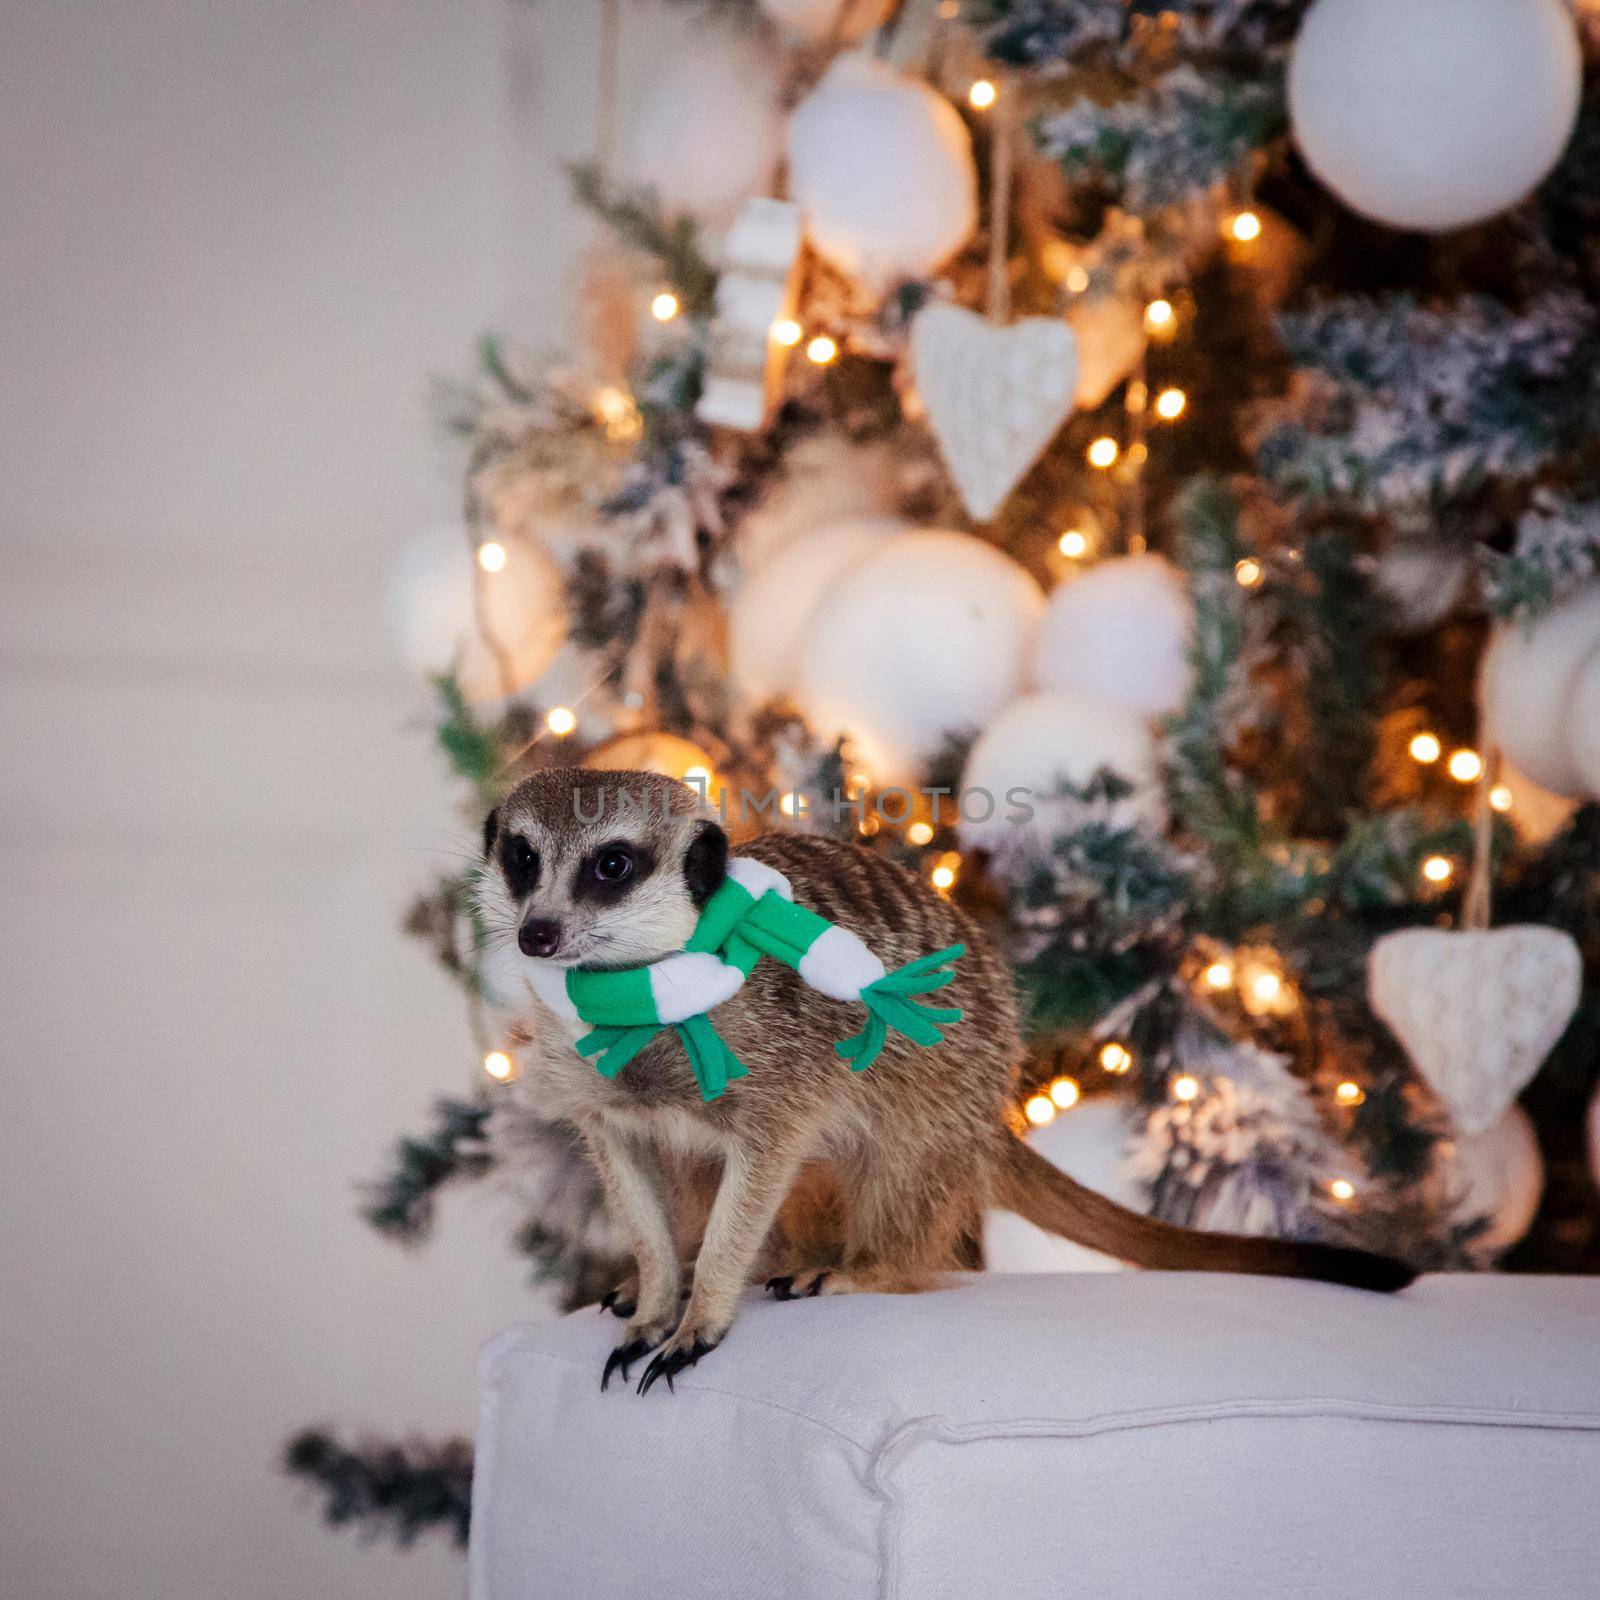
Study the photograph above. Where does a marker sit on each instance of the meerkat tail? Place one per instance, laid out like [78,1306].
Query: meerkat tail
[1048,1198]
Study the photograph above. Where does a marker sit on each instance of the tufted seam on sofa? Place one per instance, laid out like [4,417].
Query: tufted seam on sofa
[935,1430]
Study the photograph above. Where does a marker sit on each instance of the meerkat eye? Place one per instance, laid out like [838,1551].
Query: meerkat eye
[614,864]
[521,862]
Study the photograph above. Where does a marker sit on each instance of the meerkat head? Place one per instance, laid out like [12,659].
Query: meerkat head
[604,869]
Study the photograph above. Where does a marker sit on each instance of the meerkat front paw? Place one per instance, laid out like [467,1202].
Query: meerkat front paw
[639,1338]
[686,1346]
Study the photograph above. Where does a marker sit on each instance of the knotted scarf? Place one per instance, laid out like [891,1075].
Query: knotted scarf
[753,914]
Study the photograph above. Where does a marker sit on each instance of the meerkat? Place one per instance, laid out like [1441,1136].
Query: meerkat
[822,1180]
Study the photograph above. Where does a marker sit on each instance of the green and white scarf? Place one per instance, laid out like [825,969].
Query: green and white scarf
[752,915]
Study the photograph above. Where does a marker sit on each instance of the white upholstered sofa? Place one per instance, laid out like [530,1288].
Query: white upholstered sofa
[1124,1436]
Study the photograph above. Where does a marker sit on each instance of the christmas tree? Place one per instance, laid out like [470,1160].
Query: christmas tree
[1135,465]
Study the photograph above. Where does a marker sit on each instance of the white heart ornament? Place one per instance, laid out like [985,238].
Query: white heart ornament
[994,396]
[1476,1011]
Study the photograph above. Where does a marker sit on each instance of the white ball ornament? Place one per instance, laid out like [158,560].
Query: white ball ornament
[1434,114]
[882,167]
[709,129]
[1089,1142]
[434,613]
[1529,688]
[1037,743]
[1120,631]
[1583,733]
[1498,1175]
[924,639]
[826,21]
[770,619]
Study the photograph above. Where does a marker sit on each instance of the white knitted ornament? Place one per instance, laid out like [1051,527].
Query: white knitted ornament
[994,396]
[1476,1011]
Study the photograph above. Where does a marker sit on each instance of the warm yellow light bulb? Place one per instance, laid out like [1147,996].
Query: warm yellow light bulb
[664,307]
[492,556]
[1115,1058]
[1077,279]
[1466,766]
[1064,1093]
[943,877]
[1349,1094]
[1103,452]
[1159,314]
[1073,544]
[787,331]
[1501,798]
[1039,1109]
[1245,227]
[1219,975]
[822,350]
[1248,573]
[1342,1189]
[1170,404]
[982,95]
[498,1065]
[789,804]
[920,832]
[617,412]
[1186,1088]
[1266,987]
[1425,747]
[561,721]
[1437,869]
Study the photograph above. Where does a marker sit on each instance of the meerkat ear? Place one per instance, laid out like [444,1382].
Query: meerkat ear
[705,863]
[491,831]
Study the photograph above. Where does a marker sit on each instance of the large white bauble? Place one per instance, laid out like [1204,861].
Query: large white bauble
[431,599]
[1498,1174]
[770,620]
[1433,114]
[1583,725]
[1043,739]
[709,129]
[826,21]
[1527,685]
[1120,631]
[926,638]
[1088,1143]
[881,165]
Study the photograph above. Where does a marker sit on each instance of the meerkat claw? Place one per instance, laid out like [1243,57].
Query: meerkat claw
[622,1358]
[665,1363]
[798,1285]
[617,1306]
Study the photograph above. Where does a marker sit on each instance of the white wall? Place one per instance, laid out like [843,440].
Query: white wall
[235,241]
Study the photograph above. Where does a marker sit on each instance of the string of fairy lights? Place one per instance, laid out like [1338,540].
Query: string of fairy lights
[1254,982]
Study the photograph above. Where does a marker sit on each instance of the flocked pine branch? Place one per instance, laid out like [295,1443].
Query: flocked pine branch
[636,217]
[1557,550]
[1207,796]
[1053,36]
[1398,406]
[401,1204]
[399,1490]
[1165,146]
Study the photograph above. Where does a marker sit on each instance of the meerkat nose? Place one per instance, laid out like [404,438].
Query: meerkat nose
[539,937]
